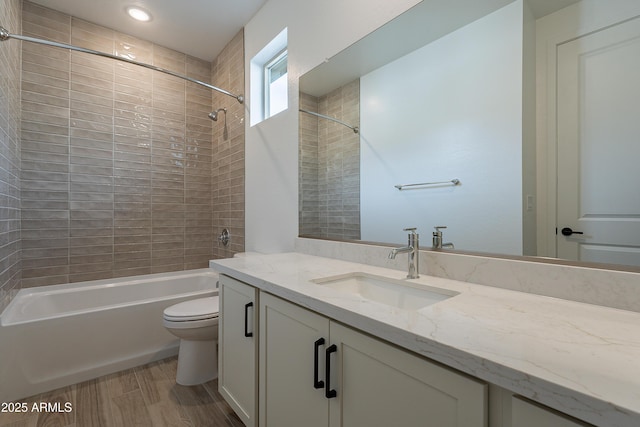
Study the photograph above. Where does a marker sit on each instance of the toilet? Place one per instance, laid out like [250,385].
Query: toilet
[195,322]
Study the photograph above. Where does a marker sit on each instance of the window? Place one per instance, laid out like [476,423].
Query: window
[275,85]
[268,80]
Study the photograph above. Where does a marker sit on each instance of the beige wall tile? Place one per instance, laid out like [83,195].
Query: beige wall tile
[95,117]
[10,123]
[330,168]
[122,171]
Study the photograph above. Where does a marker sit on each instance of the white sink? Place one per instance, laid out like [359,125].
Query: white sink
[395,293]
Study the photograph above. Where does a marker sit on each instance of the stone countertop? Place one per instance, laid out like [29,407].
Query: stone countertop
[580,359]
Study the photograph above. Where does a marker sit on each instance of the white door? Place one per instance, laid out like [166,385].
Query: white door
[237,355]
[293,341]
[598,113]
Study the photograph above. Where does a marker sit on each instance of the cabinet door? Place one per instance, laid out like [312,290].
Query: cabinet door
[237,352]
[288,353]
[378,384]
[525,414]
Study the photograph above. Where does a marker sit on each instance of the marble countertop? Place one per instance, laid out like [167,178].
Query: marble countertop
[581,359]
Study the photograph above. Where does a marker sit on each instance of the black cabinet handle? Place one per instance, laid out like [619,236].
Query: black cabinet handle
[328,393]
[316,346]
[568,231]
[246,320]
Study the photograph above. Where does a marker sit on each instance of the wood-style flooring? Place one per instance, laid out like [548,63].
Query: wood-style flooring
[142,396]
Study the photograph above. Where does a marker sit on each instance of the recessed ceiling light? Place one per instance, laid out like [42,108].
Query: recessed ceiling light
[139,14]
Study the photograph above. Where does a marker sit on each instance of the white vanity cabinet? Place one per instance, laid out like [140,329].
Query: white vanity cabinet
[528,414]
[238,348]
[287,336]
[317,372]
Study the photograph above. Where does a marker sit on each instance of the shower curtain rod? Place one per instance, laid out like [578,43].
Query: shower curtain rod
[355,129]
[5,35]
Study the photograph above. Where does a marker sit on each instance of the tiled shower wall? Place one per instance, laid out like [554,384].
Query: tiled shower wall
[330,156]
[10,18]
[117,160]
[227,180]
[308,198]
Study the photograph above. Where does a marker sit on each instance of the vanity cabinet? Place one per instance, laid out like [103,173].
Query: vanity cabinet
[287,394]
[317,372]
[529,414]
[238,348]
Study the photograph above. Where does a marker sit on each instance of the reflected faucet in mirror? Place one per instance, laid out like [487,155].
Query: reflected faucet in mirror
[532,165]
[437,239]
[413,251]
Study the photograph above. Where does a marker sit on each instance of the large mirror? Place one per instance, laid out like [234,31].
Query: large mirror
[445,117]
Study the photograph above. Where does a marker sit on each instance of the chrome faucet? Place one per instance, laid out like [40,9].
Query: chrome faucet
[412,249]
[437,239]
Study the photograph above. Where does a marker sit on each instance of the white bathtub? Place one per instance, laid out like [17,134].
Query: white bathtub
[58,335]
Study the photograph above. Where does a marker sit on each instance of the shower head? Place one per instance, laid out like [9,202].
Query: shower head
[214,114]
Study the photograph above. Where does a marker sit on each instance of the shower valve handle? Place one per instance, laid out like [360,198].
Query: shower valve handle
[224,237]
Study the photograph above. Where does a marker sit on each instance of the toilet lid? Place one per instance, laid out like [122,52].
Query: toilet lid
[197,309]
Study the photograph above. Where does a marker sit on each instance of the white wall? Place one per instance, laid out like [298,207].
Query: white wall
[452,109]
[316,30]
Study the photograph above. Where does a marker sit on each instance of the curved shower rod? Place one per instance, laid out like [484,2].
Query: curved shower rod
[355,129]
[6,35]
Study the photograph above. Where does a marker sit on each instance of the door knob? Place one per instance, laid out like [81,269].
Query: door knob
[568,231]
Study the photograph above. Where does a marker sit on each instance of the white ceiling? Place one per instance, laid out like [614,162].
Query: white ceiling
[200,28]
[422,24]
[541,8]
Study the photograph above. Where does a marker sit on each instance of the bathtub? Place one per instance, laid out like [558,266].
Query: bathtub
[54,336]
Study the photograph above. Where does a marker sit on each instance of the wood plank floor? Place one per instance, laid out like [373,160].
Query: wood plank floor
[142,396]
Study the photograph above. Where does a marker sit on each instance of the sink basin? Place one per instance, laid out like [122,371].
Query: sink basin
[395,293]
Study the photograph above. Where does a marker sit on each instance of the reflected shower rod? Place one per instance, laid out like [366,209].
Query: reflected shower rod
[6,35]
[355,129]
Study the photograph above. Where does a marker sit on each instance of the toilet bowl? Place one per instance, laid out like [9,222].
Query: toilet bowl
[195,322]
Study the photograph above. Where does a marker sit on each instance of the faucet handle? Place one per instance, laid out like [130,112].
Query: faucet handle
[411,229]
[438,228]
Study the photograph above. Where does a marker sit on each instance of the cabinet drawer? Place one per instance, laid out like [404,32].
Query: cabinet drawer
[529,414]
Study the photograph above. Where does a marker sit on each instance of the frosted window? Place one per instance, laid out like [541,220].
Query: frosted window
[276,85]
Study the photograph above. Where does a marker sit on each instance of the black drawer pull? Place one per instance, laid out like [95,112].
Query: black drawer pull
[328,393]
[246,320]
[317,383]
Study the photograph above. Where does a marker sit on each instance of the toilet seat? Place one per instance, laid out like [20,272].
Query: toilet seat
[193,310]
